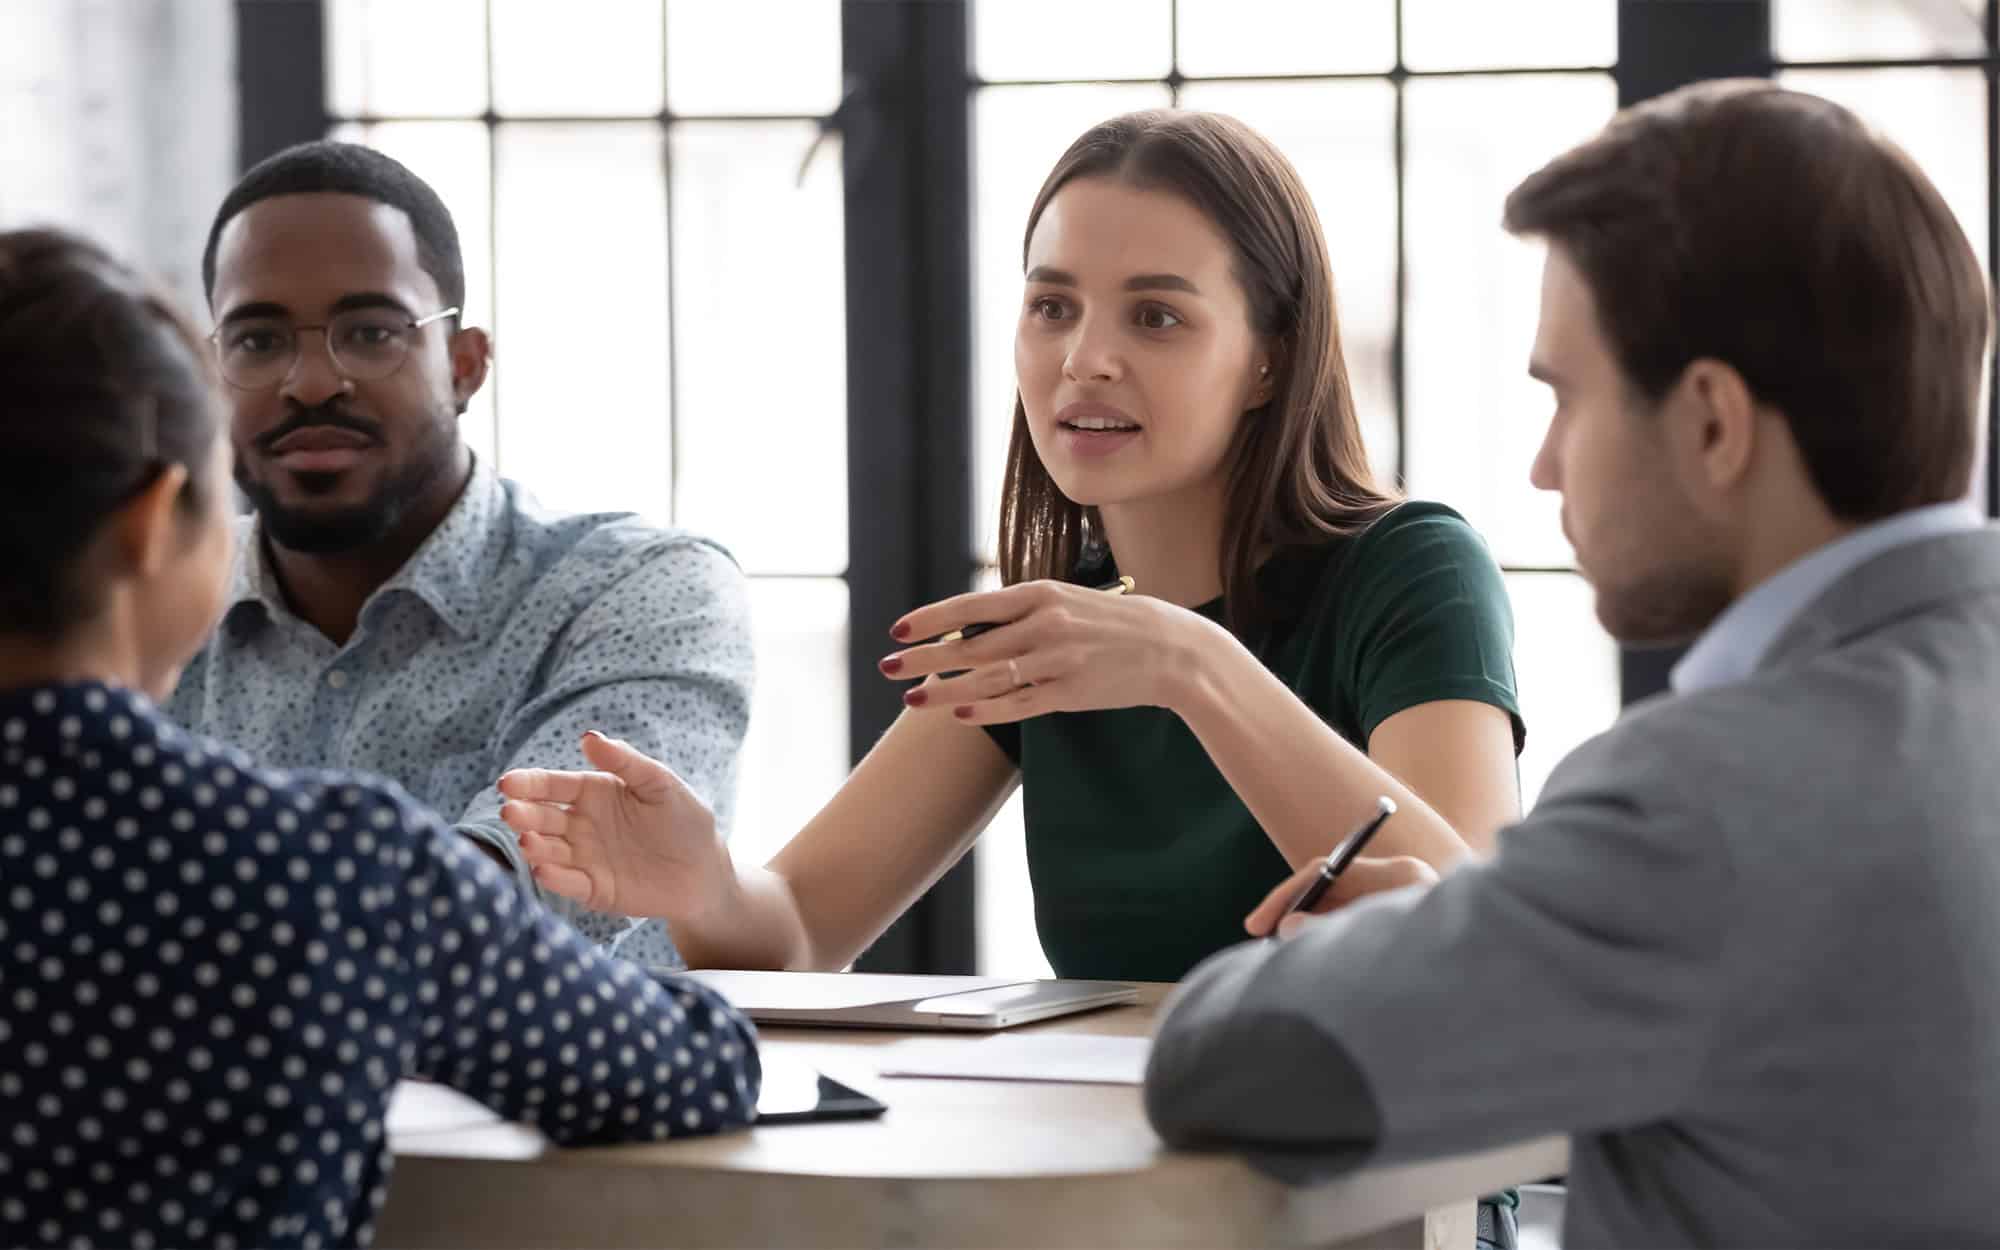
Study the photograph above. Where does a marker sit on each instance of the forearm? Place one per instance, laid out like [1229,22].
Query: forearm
[1303,783]
[755,923]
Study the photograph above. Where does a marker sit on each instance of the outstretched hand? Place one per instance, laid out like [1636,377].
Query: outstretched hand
[630,840]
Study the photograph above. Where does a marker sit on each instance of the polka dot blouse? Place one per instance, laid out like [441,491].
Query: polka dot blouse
[510,632]
[212,975]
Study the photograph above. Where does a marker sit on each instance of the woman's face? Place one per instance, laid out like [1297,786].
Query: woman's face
[1134,353]
[183,600]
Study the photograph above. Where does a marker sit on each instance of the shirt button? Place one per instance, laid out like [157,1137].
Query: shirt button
[337,679]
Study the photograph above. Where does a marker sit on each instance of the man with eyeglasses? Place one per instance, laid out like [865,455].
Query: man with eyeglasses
[397,607]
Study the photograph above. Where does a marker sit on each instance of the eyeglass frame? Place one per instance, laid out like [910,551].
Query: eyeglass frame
[410,323]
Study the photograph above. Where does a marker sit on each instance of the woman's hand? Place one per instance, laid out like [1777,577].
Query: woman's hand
[1362,877]
[1054,648]
[631,840]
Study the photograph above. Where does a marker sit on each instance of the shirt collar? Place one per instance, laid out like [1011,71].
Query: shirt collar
[446,573]
[1730,649]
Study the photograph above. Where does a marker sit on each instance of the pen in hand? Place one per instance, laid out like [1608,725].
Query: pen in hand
[1337,863]
[1122,586]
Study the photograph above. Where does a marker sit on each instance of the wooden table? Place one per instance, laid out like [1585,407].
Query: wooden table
[953,1163]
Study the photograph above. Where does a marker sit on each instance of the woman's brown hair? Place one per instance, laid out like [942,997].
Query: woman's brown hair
[1298,473]
[102,385]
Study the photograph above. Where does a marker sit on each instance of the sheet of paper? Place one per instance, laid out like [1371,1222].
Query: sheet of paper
[825,991]
[421,1107]
[1069,1057]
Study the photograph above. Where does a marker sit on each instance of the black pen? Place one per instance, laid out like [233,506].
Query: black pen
[1122,586]
[1337,862]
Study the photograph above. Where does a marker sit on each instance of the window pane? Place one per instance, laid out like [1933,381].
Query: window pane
[722,56]
[1478,34]
[763,443]
[1286,37]
[1475,417]
[1832,30]
[1341,138]
[389,57]
[1938,116]
[576,59]
[1042,39]
[1007,942]
[581,324]
[453,157]
[796,754]
[1019,132]
[1567,667]
[1008,945]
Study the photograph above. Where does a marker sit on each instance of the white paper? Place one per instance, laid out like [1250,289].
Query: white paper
[831,991]
[1075,1058]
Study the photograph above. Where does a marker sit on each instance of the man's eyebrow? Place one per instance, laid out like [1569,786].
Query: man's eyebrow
[267,310]
[371,299]
[260,311]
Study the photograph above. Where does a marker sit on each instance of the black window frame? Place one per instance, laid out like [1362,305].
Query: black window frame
[907,127]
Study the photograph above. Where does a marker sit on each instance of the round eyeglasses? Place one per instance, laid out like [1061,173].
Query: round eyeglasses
[364,344]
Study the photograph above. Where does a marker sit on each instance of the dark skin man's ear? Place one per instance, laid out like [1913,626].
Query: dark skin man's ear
[471,359]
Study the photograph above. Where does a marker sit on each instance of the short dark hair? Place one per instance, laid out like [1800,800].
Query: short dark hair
[350,169]
[1771,230]
[103,384]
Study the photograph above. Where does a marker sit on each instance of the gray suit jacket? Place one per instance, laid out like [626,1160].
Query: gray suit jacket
[1745,950]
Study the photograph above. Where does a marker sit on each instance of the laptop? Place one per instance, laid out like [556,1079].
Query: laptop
[891,1001]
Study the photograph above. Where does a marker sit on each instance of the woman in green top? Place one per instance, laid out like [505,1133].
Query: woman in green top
[1300,642]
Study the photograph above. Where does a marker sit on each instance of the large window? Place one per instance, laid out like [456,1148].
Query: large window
[656,243]
[1409,122]
[663,268]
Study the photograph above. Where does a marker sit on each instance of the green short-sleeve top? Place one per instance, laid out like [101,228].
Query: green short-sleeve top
[1144,861]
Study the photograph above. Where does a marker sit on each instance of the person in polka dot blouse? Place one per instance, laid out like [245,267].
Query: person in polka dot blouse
[213,973]
[396,607]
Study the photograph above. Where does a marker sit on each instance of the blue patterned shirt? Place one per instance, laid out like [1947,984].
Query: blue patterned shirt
[508,633]
[212,975]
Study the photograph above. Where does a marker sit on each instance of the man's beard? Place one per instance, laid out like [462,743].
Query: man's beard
[1670,604]
[323,532]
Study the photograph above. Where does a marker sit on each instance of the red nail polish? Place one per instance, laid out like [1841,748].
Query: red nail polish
[893,664]
[901,632]
[915,698]
[963,713]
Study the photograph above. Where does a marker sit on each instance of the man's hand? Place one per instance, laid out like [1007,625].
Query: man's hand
[1363,876]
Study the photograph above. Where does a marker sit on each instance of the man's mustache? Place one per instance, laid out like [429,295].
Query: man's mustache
[328,414]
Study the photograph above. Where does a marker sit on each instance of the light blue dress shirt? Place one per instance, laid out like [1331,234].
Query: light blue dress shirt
[1730,649]
[509,632]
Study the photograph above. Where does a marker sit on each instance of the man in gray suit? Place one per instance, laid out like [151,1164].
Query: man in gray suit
[1746,949]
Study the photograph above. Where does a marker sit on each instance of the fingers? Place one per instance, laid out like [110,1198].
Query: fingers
[568,882]
[989,682]
[539,849]
[979,607]
[544,818]
[1365,876]
[648,780]
[543,785]
[1258,923]
[995,647]
[1368,875]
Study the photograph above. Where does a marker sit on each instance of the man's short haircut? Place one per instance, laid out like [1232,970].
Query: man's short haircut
[1773,231]
[350,169]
